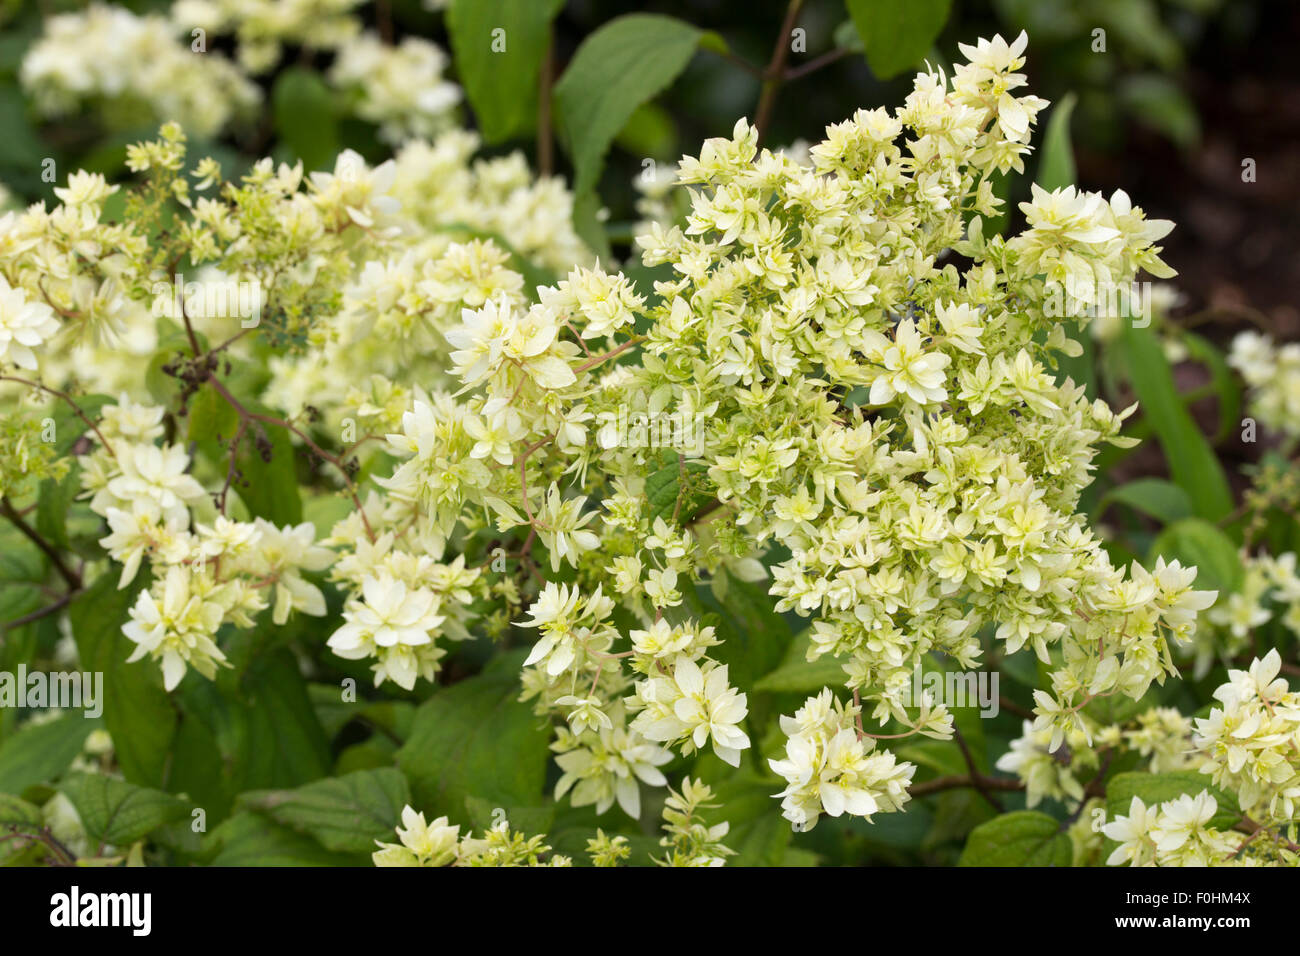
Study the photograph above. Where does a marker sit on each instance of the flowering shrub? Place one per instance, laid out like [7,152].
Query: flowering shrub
[336,479]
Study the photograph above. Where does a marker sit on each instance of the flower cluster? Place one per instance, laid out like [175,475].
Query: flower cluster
[1269,590]
[891,424]
[1272,374]
[831,768]
[262,28]
[398,88]
[886,447]
[1177,833]
[402,601]
[1245,748]
[440,844]
[131,69]
[415,290]
[689,840]
[203,574]
[1250,742]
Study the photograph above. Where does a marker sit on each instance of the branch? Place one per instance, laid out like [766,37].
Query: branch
[69,575]
[36,615]
[775,72]
[734,60]
[605,356]
[976,779]
[246,416]
[545,140]
[812,66]
[67,398]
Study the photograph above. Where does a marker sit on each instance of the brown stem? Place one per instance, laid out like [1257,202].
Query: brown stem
[67,398]
[976,778]
[775,72]
[523,478]
[69,575]
[36,615]
[230,467]
[734,60]
[605,356]
[812,66]
[1247,825]
[1006,703]
[384,20]
[245,416]
[545,139]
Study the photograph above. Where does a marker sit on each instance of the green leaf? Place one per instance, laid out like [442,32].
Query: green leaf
[346,814]
[18,816]
[53,504]
[1157,788]
[16,812]
[484,815]
[1056,162]
[588,224]
[846,37]
[269,489]
[1156,497]
[20,560]
[501,83]
[650,132]
[1020,838]
[677,477]
[69,426]
[1196,542]
[114,811]
[137,711]
[625,63]
[1191,460]
[39,753]
[475,739]
[20,160]
[18,598]
[754,637]
[211,416]
[306,117]
[1223,380]
[1159,103]
[797,675]
[255,729]
[250,839]
[896,36]
[758,834]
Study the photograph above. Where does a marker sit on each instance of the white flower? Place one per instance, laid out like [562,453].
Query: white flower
[356,191]
[908,369]
[695,705]
[390,614]
[282,554]
[1132,835]
[156,481]
[24,326]
[422,844]
[176,626]
[1181,818]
